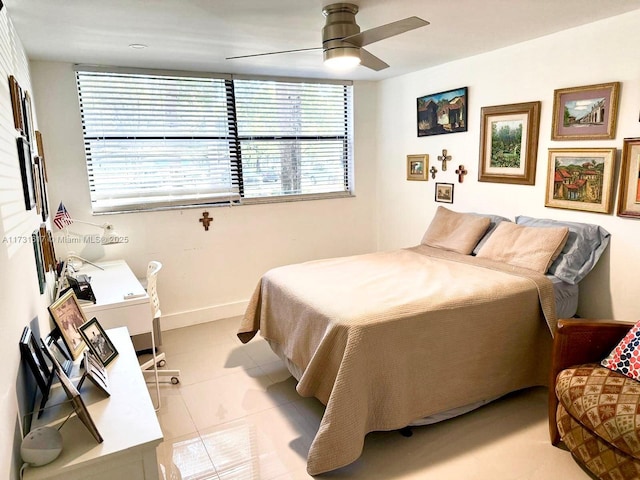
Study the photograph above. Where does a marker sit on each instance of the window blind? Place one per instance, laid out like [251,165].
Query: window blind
[294,137]
[156,141]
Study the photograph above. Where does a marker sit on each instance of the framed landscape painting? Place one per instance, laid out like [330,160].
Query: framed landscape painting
[509,143]
[585,113]
[444,112]
[581,179]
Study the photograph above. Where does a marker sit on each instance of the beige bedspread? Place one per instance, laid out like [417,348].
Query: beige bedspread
[386,338]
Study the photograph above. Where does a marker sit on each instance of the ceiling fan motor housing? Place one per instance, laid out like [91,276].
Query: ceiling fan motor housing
[340,23]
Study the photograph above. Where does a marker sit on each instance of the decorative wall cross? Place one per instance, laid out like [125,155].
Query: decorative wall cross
[444,158]
[461,171]
[433,172]
[205,220]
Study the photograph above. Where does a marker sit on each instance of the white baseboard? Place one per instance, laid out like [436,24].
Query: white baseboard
[203,315]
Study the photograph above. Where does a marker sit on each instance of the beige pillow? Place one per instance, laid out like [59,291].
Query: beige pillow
[458,232]
[534,248]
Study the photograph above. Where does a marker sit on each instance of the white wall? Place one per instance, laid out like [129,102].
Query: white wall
[20,301]
[208,274]
[605,51]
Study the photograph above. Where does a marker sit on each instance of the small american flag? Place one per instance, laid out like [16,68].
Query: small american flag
[62,217]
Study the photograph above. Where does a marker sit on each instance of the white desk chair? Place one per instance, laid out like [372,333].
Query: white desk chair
[151,366]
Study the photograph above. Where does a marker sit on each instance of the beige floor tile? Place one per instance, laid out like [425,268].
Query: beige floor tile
[185,458]
[213,361]
[233,396]
[259,446]
[174,417]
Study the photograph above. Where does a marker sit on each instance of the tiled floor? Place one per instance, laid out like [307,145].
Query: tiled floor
[236,416]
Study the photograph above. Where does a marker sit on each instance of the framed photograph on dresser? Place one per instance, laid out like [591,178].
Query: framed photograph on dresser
[69,317]
[98,341]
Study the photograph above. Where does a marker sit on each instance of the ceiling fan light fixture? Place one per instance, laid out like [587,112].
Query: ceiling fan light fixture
[342,58]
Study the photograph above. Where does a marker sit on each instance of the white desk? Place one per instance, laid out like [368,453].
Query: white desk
[112,308]
[126,420]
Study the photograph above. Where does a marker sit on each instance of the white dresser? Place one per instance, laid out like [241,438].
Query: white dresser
[126,420]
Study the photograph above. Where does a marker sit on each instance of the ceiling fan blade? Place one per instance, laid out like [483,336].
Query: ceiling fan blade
[371,61]
[274,53]
[385,31]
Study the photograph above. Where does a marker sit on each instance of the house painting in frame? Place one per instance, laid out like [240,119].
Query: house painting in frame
[444,112]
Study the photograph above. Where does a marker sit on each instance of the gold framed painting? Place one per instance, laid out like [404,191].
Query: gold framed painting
[69,317]
[417,166]
[580,179]
[509,143]
[585,113]
[629,198]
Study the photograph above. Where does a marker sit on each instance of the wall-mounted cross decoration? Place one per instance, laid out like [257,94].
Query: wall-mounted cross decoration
[444,158]
[205,220]
[433,170]
[461,171]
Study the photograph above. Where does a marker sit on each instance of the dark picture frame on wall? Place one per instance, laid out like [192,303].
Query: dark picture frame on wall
[585,113]
[629,198]
[581,179]
[443,112]
[509,143]
[26,172]
[444,192]
[39,257]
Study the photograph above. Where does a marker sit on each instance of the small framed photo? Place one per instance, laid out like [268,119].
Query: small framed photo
[95,371]
[33,355]
[444,192]
[509,143]
[98,341]
[16,103]
[69,317]
[580,179]
[629,198]
[585,113]
[39,258]
[73,395]
[26,171]
[417,167]
[443,112]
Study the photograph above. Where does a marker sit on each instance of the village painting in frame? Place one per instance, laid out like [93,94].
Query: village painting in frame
[581,179]
[444,112]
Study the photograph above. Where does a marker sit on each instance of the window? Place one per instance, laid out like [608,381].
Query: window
[155,140]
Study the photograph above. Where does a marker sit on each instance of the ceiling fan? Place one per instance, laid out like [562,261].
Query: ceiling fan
[342,40]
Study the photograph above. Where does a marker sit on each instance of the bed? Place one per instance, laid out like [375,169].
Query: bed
[389,338]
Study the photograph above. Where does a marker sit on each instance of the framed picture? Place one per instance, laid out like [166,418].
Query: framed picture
[32,354]
[26,171]
[509,143]
[27,116]
[580,179]
[16,103]
[585,113]
[48,252]
[40,148]
[69,317]
[74,396]
[41,187]
[444,112]
[629,198]
[39,257]
[417,167]
[94,371]
[444,192]
[98,341]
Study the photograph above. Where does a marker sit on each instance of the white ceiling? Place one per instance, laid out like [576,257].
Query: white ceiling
[198,34]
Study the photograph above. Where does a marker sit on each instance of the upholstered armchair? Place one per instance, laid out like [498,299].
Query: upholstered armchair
[594,411]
